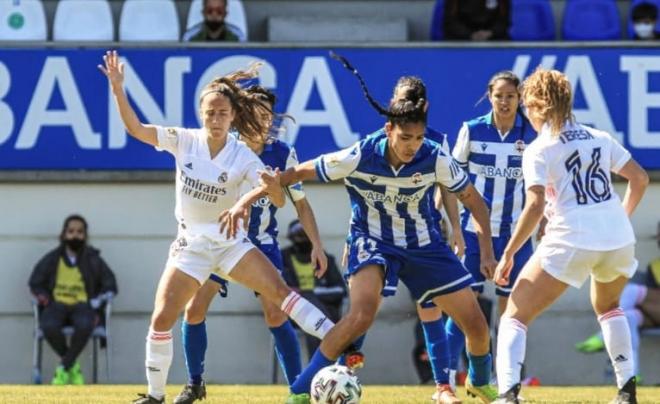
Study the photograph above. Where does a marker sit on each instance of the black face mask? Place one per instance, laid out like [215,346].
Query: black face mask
[214,25]
[76,244]
[303,247]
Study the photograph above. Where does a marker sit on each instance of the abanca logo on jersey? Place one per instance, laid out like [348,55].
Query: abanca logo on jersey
[398,198]
[199,190]
[512,173]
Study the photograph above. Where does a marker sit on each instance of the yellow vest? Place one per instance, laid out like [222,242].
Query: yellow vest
[654,267]
[305,274]
[69,285]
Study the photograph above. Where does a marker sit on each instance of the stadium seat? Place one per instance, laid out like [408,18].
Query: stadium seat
[631,32]
[149,20]
[100,339]
[437,21]
[591,20]
[23,20]
[236,19]
[83,20]
[532,20]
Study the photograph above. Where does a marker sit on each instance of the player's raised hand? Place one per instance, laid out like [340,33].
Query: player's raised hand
[270,179]
[113,68]
[319,260]
[503,270]
[230,220]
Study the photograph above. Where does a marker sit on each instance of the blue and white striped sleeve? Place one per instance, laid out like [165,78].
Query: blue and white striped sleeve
[461,150]
[449,174]
[337,165]
[296,190]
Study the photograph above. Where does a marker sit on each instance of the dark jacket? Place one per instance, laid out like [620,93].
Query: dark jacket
[96,274]
[463,17]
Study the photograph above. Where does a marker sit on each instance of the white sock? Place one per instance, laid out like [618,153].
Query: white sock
[511,340]
[616,335]
[306,315]
[632,295]
[452,379]
[635,319]
[158,361]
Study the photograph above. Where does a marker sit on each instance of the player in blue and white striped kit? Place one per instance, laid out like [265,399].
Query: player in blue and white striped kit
[490,149]
[262,232]
[391,182]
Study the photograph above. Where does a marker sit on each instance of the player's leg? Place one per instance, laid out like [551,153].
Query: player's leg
[286,341]
[195,340]
[365,297]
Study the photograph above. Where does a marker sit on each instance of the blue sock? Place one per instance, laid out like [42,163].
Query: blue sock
[303,383]
[357,344]
[479,369]
[194,349]
[437,349]
[455,341]
[288,350]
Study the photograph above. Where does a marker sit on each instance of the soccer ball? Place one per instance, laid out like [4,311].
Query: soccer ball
[335,384]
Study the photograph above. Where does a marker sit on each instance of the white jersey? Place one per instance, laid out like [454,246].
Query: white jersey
[582,208]
[205,187]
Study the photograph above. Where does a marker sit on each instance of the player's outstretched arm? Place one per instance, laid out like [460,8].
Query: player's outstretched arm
[473,201]
[638,180]
[114,71]
[301,172]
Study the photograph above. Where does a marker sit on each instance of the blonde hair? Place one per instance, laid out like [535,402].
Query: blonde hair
[549,93]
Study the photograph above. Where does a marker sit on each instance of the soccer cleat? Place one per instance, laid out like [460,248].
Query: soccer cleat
[445,395]
[191,393]
[628,393]
[302,398]
[592,344]
[61,376]
[354,360]
[486,393]
[147,399]
[510,397]
[75,375]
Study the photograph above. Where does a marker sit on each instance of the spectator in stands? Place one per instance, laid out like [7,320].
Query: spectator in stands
[327,292]
[213,28]
[641,305]
[477,20]
[644,19]
[70,283]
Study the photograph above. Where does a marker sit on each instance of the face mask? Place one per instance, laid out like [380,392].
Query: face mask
[76,244]
[214,25]
[303,247]
[644,30]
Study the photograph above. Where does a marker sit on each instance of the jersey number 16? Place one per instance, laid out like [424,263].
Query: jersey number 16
[595,185]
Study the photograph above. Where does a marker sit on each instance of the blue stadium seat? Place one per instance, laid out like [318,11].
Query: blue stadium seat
[591,20]
[532,20]
[631,33]
[437,21]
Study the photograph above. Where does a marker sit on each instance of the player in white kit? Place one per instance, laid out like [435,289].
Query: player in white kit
[211,169]
[567,173]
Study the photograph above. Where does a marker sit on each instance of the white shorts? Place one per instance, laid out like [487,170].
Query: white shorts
[199,255]
[574,265]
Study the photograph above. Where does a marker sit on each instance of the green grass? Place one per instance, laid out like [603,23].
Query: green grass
[277,394]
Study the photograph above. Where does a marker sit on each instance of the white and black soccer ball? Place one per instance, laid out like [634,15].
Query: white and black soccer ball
[335,384]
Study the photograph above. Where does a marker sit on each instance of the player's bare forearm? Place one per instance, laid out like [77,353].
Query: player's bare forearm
[481,217]
[135,128]
[638,181]
[302,172]
[308,222]
[451,207]
[529,218]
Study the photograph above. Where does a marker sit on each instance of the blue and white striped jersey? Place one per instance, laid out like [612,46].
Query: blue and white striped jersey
[494,163]
[390,205]
[262,228]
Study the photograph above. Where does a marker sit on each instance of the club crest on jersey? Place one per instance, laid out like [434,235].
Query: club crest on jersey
[417,178]
[171,132]
[332,162]
[484,146]
[188,166]
[223,177]
[520,146]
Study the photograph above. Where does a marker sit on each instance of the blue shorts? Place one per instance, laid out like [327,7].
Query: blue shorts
[428,272]
[472,261]
[271,251]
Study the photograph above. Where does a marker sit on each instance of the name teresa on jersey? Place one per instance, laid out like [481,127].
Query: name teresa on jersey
[200,190]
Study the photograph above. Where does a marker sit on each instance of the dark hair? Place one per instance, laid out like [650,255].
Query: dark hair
[248,106]
[400,112]
[644,10]
[506,75]
[264,94]
[416,88]
[68,220]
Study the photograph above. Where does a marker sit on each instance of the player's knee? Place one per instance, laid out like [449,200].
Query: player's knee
[274,317]
[163,320]
[194,314]
[602,306]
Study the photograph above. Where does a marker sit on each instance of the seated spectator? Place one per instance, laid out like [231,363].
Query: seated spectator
[477,20]
[644,19]
[70,282]
[213,27]
[327,292]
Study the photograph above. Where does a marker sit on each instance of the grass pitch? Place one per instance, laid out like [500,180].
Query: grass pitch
[277,394]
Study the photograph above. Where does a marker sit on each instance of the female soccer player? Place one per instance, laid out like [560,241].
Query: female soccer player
[211,167]
[490,149]
[567,173]
[262,231]
[391,181]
